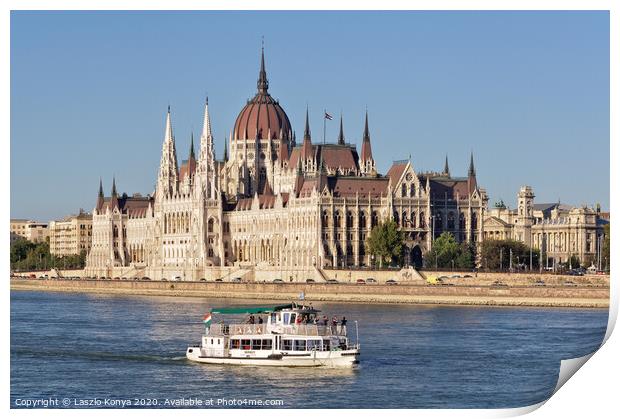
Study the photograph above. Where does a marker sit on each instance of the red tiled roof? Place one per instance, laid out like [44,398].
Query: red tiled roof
[396,172]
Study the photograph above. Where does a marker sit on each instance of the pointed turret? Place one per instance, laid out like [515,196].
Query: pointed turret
[472,169]
[100,197]
[114,198]
[341,134]
[471,175]
[367,163]
[446,168]
[168,169]
[262,84]
[192,155]
[206,162]
[306,148]
[225,151]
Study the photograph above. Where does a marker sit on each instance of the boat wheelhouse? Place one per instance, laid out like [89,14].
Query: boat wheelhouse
[292,335]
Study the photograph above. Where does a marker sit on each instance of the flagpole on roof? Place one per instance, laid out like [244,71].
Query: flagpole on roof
[324,123]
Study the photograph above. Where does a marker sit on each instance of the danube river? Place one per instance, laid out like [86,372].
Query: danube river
[85,347]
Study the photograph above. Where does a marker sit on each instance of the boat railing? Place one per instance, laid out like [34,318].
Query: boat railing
[259,329]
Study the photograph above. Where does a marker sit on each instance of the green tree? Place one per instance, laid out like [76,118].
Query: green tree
[447,253]
[385,242]
[495,255]
[606,242]
[20,249]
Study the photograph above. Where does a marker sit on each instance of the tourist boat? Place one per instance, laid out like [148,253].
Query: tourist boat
[288,336]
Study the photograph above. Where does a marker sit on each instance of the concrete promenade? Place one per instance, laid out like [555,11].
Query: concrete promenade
[584,294]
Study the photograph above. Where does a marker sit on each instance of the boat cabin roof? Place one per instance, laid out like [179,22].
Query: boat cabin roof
[292,307]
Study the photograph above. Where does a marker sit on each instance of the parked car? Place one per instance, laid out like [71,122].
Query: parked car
[278,281]
[164,279]
[455,276]
[116,278]
[467,276]
[219,280]
[332,281]
[499,284]
[391,282]
[360,281]
[176,278]
[371,281]
[539,283]
[574,272]
[237,280]
[203,279]
[310,281]
[146,278]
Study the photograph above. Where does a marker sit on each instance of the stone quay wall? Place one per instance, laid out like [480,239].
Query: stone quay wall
[550,296]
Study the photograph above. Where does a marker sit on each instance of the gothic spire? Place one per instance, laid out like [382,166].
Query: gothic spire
[192,155]
[168,169]
[367,163]
[341,134]
[114,199]
[366,131]
[306,148]
[100,198]
[472,169]
[225,151]
[262,84]
[446,168]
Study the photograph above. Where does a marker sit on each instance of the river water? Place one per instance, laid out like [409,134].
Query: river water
[98,347]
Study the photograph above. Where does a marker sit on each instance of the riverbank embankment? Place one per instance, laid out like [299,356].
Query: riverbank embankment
[581,295]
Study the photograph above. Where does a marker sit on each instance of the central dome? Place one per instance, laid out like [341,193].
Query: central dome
[262,115]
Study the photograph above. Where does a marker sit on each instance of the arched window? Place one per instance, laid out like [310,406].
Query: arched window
[349,219]
[210,225]
[396,220]
[462,221]
[412,190]
[337,219]
[374,219]
[404,190]
[324,218]
[405,220]
[362,219]
[438,221]
[422,223]
[412,219]
[450,220]
[474,221]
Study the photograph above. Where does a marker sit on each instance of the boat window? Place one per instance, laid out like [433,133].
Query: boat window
[314,344]
[234,344]
[218,341]
[300,345]
[245,343]
[285,318]
[266,343]
[211,341]
[256,344]
[273,318]
[293,316]
[326,344]
[287,345]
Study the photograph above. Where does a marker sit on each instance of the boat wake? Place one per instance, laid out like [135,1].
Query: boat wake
[102,356]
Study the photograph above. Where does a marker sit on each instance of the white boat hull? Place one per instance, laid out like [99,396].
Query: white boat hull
[334,359]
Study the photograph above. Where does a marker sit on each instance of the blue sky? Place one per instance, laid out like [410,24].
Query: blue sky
[528,92]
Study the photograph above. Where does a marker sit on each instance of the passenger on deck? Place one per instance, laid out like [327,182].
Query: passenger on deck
[260,320]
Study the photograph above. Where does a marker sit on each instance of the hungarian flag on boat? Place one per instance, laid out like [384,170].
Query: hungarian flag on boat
[207,319]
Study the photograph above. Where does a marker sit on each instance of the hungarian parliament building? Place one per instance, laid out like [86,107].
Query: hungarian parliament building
[274,202]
